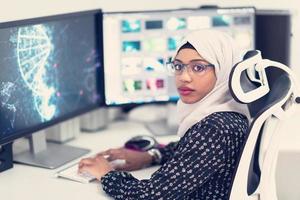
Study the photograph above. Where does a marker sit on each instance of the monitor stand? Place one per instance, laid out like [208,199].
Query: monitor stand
[167,126]
[63,132]
[47,155]
[94,121]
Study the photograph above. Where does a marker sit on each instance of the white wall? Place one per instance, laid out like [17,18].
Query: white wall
[20,9]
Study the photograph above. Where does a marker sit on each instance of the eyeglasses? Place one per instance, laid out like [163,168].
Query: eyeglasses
[177,68]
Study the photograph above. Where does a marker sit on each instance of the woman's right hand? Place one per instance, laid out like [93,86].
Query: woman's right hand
[134,159]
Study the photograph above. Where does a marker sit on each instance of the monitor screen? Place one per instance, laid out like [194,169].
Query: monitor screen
[138,44]
[274,42]
[51,70]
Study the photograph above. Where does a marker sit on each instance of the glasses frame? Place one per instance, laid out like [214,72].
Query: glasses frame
[172,71]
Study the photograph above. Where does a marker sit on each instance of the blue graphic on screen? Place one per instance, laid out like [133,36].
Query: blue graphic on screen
[131,46]
[131,26]
[221,20]
[48,71]
[175,23]
[33,49]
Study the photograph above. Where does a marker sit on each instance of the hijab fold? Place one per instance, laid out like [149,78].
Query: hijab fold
[219,49]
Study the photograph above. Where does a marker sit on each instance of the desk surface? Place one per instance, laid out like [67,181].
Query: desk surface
[26,182]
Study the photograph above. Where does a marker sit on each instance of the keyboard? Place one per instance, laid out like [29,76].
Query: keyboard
[71,172]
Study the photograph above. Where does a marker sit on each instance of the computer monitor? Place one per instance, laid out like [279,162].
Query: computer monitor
[273,34]
[51,70]
[138,44]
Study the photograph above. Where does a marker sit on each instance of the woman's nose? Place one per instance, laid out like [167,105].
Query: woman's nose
[185,76]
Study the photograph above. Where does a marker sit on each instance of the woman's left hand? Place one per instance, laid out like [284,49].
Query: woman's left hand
[97,166]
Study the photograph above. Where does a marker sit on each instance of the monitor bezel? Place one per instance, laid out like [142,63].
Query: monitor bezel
[134,104]
[182,9]
[99,73]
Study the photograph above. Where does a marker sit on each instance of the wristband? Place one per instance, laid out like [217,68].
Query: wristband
[156,156]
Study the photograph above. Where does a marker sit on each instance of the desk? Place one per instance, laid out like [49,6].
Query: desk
[31,183]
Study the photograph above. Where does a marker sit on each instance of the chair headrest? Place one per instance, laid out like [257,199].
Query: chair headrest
[246,83]
[250,54]
[255,83]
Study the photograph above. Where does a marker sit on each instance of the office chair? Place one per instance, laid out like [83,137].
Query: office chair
[270,90]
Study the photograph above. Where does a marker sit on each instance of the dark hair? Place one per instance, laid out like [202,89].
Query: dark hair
[187,45]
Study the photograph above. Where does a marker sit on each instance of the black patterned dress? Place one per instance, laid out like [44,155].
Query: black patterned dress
[200,166]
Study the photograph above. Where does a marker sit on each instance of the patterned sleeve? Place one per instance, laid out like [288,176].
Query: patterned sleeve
[167,152]
[195,160]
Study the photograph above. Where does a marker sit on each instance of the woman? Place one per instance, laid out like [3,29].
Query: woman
[212,129]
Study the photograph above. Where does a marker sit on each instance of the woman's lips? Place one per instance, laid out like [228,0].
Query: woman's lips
[184,91]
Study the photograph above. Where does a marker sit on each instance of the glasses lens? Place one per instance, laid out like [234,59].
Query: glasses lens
[178,67]
[198,67]
[170,68]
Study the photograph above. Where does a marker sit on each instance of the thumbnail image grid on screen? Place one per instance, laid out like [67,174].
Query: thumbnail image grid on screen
[138,44]
[49,71]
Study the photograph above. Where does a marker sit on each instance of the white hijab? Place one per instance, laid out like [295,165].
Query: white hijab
[218,49]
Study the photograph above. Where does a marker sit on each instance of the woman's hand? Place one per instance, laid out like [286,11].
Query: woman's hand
[134,159]
[97,166]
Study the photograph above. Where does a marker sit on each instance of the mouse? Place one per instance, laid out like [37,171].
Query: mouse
[141,143]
